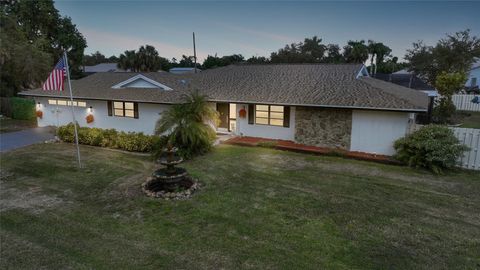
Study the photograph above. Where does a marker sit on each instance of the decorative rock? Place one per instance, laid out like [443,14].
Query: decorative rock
[180,195]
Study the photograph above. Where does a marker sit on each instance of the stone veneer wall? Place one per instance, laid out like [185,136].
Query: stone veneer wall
[323,127]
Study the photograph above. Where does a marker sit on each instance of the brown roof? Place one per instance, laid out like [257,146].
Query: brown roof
[326,85]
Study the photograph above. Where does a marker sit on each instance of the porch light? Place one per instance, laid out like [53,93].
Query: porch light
[90,109]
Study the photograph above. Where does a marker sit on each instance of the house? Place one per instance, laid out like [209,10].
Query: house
[184,70]
[473,83]
[410,80]
[102,67]
[327,105]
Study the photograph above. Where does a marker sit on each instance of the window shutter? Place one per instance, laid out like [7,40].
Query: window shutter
[135,110]
[251,114]
[286,116]
[109,107]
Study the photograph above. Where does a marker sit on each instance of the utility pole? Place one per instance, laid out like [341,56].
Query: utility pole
[194,53]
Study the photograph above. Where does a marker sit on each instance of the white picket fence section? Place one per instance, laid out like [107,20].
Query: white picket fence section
[464,103]
[469,137]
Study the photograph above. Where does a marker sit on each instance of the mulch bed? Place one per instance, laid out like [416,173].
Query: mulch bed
[296,147]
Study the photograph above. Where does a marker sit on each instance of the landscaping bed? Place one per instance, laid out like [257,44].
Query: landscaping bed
[258,208]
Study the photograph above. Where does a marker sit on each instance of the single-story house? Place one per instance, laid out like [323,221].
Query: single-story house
[327,105]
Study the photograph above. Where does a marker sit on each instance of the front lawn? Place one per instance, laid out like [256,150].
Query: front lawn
[259,208]
[470,120]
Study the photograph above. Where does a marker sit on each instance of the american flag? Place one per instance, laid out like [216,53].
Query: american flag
[55,79]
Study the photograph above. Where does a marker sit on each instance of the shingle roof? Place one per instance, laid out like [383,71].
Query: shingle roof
[325,85]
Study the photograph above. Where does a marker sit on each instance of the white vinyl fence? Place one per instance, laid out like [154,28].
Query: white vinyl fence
[464,103]
[469,137]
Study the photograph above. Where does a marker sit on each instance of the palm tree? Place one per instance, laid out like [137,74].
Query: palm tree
[189,125]
[128,61]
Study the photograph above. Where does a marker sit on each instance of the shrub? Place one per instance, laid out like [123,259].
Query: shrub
[66,133]
[433,147]
[110,138]
[132,141]
[23,109]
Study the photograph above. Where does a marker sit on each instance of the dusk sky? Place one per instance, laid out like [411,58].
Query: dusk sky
[258,28]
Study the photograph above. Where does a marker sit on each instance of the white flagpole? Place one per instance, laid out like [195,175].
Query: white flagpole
[73,108]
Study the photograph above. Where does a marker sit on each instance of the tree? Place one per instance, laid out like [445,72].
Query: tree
[313,49]
[454,53]
[215,61]
[377,51]
[189,125]
[127,61]
[257,60]
[146,59]
[333,54]
[355,51]
[41,20]
[23,64]
[94,59]
[447,84]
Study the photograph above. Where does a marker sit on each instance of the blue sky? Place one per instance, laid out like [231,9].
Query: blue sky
[258,28]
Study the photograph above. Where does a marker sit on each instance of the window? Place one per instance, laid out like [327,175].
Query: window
[124,109]
[65,102]
[269,115]
[473,82]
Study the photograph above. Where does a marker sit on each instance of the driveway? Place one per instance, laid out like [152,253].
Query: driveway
[14,140]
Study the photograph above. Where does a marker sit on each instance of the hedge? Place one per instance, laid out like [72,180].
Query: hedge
[22,109]
[129,141]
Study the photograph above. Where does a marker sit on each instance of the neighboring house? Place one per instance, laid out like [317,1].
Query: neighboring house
[473,81]
[327,105]
[103,67]
[410,80]
[183,70]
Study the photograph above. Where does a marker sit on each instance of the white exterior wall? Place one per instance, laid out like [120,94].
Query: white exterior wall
[474,73]
[148,114]
[265,131]
[376,131]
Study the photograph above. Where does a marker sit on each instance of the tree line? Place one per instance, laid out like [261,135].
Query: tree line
[34,35]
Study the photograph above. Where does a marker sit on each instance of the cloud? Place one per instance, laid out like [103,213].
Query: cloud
[113,43]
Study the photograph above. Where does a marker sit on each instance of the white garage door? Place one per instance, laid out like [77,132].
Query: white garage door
[376,131]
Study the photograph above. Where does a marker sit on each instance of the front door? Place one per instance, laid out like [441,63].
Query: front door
[222,109]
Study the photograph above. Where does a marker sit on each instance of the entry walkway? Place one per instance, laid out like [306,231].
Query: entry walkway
[14,140]
[292,146]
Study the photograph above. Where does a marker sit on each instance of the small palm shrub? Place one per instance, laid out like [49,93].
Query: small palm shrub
[189,125]
[433,147]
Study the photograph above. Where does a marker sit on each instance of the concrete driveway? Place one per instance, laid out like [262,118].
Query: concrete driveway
[14,140]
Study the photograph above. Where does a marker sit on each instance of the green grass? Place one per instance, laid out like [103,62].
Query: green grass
[11,125]
[470,120]
[259,208]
